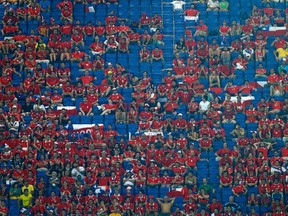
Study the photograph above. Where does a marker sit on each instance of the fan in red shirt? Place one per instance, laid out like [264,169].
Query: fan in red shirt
[247,28]
[77,38]
[3,208]
[85,108]
[239,189]
[134,37]
[111,29]
[205,143]
[64,3]
[66,13]
[9,29]
[37,207]
[115,96]
[278,42]
[97,48]
[151,206]
[34,11]
[86,64]
[226,179]
[239,63]
[100,29]
[157,54]
[123,28]
[190,45]
[144,21]
[30,63]
[202,53]
[123,41]
[89,29]
[224,29]
[192,12]
[201,29]
[144,54]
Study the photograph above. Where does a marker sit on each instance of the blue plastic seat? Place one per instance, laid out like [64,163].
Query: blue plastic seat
[121,129]
[109,119]
[85,119]
[74,119]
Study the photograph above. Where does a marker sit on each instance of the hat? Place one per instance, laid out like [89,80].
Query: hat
[146,105]
[180,114]
[14,106]
[114,89]
[151,197]
[179,152]
[109,63]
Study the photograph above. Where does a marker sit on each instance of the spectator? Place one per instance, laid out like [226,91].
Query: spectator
[213,5]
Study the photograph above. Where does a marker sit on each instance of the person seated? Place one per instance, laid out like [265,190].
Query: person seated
[213,5]
[192,13]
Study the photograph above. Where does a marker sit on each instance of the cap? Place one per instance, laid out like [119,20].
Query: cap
[151,197]
[114,89]
[109,63]
[180,114]
[14,106]
[147,105]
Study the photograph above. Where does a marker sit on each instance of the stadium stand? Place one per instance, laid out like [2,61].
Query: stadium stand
[144,107]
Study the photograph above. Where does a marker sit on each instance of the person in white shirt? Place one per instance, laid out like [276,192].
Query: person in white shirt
[248,53]
[213,5]
[204,105]
[178,6]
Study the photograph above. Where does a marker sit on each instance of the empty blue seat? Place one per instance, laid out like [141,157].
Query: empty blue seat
[153,191]
[109,119]
[132,128]
[85,119]
[121,129]
[98,119]
[74,119]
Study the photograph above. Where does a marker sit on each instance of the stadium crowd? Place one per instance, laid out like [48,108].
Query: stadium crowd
[184,144]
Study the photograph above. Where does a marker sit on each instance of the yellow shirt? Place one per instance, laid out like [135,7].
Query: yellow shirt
[282,53]
[29,187]
[26,200]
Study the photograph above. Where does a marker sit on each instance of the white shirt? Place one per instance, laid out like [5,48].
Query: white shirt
[178,5]
[204,105]
[213,4]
